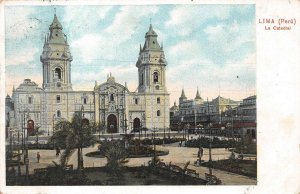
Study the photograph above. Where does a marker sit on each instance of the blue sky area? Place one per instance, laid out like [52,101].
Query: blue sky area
[211,47]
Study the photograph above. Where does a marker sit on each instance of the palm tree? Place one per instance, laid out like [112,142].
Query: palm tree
[115,153]
[73,135]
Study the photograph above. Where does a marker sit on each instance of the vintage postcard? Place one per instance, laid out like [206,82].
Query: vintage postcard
[149,94]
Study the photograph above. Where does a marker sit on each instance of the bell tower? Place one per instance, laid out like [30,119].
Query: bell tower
[56,59]
[151,65]
[152,87]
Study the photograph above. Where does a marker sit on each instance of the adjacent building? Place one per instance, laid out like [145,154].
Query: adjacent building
[220,115]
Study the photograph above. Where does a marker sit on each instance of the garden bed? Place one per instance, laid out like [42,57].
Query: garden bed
[242,167]
[103,176]
[98,154]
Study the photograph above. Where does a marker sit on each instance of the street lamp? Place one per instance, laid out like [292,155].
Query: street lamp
[53,117]
[141,126]
[153,142]
[19,157]
[181,124]
[37,134]
[125,124]
[209,128]
[188,131]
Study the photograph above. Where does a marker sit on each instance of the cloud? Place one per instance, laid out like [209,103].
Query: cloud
[20,23]
[104,45]
[229,42]
[86,15]
[84,18]
[122,73]
[25,57]
[127,20]
[89,46]
[184,18]
[182,56]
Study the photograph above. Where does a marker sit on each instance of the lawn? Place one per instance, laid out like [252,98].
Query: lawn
[243,167]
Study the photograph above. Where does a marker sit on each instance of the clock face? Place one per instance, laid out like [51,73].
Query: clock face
[157,87]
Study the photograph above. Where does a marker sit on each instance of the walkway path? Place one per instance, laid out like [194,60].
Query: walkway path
[177,155]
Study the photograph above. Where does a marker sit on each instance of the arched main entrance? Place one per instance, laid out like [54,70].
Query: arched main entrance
[136,124]
[112,124]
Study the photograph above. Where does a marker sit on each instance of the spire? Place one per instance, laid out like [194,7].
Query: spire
[198,95]
[183,95]
[55,24]
[162,45]
[14,88]
[151,40]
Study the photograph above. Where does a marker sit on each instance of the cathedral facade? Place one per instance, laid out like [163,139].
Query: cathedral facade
[110,105]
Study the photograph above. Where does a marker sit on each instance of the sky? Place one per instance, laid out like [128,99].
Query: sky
[209,47]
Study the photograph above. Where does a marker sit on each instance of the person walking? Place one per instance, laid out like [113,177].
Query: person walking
[57,151]
[38,156]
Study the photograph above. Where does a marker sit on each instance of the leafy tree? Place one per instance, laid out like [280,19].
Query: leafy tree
[73,135]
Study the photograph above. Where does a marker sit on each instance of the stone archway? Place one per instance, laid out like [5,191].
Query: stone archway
[112,124]
[136,124]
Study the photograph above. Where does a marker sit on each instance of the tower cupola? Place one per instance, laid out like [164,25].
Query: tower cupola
[56,58]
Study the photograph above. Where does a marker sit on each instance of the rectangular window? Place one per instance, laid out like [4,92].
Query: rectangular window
[158,100]
[29,100]
[84,101]
[136,101]
[58,99]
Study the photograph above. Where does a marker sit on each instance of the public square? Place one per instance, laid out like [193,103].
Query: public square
[177,155]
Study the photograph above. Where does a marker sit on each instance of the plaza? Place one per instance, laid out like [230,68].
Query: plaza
[177,155]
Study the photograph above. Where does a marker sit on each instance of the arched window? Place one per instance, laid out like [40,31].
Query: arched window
[155,77]
[136,100]
[58,114]
[158,113]
[58,73]
[111,97]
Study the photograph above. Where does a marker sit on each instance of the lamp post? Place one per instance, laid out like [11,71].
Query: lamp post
[164,132]
[209,128]
[154,145]
[200,147]
[19,157]
[188,130]
[37,135]
[125,125]
[11,144]
[81,129]
[141,126]
[181,124]
[53,117]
